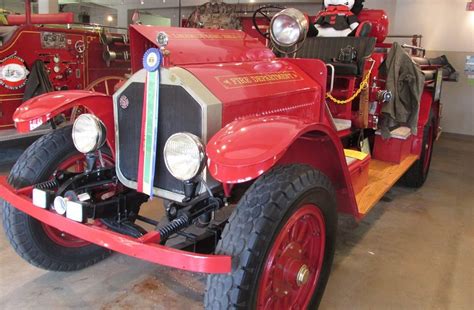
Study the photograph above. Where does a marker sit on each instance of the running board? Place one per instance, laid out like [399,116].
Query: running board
[382,176]
[11,134]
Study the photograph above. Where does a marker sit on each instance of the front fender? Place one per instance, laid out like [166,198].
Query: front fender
[39,110]
[245,149]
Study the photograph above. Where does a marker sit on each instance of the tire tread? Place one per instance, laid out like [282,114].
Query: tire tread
[245,231]
[28,170]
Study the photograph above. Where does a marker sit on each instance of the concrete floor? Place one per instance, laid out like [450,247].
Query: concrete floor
[413,251]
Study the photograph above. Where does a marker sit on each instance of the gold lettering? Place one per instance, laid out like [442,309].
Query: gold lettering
[259,79]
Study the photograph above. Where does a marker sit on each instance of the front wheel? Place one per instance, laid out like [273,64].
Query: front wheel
[281,237]
[39,244]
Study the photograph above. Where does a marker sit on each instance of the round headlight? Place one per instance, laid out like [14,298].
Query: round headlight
[289,27]
[88,133]
[184,156]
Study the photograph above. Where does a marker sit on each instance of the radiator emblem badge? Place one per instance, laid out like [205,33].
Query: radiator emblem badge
[124,102]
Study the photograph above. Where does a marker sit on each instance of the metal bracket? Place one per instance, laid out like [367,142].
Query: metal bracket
[333,76]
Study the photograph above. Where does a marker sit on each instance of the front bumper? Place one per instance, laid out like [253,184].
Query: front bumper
[145,248]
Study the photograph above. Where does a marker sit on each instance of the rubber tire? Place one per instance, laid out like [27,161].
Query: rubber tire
[416,177]
[25,233]
[255,223]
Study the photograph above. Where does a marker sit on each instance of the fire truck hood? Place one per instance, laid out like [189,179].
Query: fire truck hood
[187,46]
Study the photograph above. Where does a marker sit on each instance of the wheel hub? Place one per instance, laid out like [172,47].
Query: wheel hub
[303,276]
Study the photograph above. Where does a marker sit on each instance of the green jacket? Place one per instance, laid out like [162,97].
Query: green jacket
[406,82]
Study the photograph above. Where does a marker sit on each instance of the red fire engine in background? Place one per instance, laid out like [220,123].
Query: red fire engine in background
[41,53]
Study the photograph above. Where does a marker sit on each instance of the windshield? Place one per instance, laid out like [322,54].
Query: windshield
[6,33]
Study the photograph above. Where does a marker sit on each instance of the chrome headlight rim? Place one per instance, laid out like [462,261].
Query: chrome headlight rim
[299,18]
[200,152]
[95,129]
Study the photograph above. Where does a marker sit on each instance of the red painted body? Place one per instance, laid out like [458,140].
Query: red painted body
[197,46]
[60,18]
[380,23]
[146,248]
[74,70]
[245,149]
[249,28]
[258,88]
[274,111]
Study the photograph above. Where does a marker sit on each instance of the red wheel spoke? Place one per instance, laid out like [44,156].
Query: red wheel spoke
[291,271]
[76,164]
[295,232]
[303,231]
[307,246]
[285,303]
[270,304]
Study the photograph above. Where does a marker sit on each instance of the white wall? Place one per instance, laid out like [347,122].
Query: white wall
[390,6]
[98,14]
[457,98]
[445,24]
[447,28]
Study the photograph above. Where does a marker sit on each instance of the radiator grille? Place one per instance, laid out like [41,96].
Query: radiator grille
[178,112]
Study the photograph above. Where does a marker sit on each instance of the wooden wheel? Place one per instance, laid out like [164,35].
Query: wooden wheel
[105,84]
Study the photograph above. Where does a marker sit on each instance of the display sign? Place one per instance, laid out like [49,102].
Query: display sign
[469,69]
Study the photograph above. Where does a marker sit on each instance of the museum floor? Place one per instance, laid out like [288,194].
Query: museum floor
[415,250]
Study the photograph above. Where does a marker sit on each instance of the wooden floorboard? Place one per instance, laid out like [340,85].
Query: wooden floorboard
[382,177]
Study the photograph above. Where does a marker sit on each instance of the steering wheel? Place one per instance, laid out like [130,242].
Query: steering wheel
[264,12]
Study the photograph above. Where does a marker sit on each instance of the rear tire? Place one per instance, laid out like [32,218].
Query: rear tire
[417,175]
[265,233]
[31,239]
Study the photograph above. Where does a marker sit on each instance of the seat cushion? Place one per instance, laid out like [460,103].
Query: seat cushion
[345,68]
[328,49]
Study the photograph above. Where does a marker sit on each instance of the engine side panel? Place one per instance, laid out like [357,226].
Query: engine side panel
[263,88]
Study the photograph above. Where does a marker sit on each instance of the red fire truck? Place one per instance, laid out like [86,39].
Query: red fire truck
[42,53]
[254,153]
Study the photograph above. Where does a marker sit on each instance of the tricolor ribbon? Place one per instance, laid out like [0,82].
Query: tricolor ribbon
[149,133]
